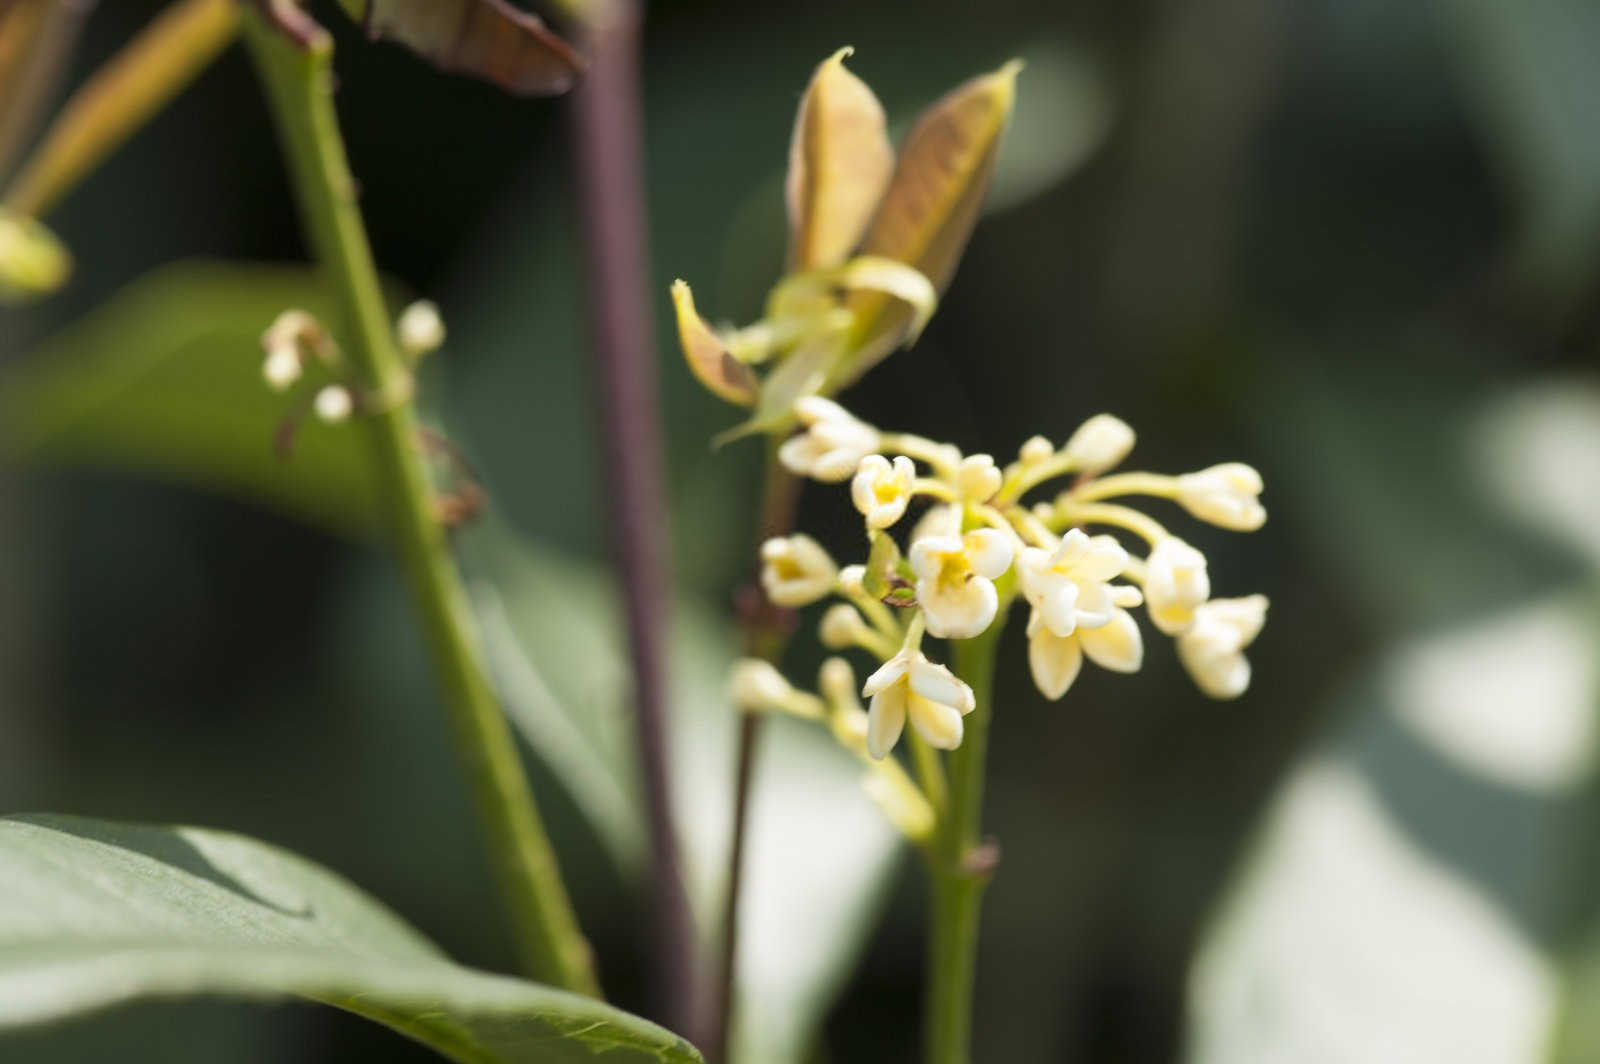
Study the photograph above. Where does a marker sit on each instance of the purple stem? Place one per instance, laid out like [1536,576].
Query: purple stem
[607,134]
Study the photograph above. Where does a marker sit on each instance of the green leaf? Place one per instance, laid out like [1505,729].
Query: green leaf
[812,891]
[1424,874]
[165,379]
[95,914]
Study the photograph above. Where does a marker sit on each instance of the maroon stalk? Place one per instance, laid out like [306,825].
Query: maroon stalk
[607,134]
[766,630]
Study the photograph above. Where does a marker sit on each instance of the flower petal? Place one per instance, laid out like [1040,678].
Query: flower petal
[886,719]
[957,611]
[936,722]
[941,685]
[989,551]
[1117,646]
[1054,661]
[887,673]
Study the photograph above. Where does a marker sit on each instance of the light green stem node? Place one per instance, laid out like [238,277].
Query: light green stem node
[959,865]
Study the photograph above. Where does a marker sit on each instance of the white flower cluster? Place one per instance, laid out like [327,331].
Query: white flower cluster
[978,547]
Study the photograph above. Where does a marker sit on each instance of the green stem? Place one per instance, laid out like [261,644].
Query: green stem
[959,865]
[299,89]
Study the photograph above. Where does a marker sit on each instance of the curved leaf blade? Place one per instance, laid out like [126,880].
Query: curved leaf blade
[840,161]
[486,39]
[709,359]
[932,203]
[95,914]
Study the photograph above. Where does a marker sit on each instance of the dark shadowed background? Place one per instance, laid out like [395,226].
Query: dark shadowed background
[1352,242]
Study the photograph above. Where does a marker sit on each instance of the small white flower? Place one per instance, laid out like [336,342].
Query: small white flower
[757,686]
[1035,450]
[1070,588]
[908,685]
[955,580]
[1056,660]
[1100,443]
[334,403]
[1213,647]
[1175,583]
[977,479]
[841,626]
[420,328]
[881,489]
[833,443]
[1226,495]
[796,571]
[281,368]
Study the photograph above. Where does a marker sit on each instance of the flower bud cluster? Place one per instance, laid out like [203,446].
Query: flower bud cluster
[298,351]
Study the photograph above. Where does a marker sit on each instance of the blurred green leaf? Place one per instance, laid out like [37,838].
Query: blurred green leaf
[96,914]
[165,379]
[1427,866]
[1529,75]
[819,855]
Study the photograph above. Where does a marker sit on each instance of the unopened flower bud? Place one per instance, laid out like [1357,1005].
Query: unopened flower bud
[281,368]
[1035,450]
[334,403]
[837,681]
[1100,443]
[841,626]
[852,580]
[756,686]
[1226,495]
[420,328]
[977,479]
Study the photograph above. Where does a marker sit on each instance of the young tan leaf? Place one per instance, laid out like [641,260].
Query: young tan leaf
[487,39]
[121,96]
[933,200]
[708,358]
[840,160]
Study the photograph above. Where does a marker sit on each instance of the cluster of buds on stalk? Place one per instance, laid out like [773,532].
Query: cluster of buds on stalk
[301,358]
[982,538]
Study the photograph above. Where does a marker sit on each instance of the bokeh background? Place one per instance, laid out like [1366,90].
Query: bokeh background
[1352,242]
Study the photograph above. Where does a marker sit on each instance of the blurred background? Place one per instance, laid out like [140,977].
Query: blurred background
[1351,242]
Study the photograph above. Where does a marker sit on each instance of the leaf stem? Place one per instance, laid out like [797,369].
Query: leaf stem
[299,89]
[960,865]
[606,130]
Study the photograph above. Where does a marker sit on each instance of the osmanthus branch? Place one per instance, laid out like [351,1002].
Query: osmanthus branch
[298,80]
[607,135]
